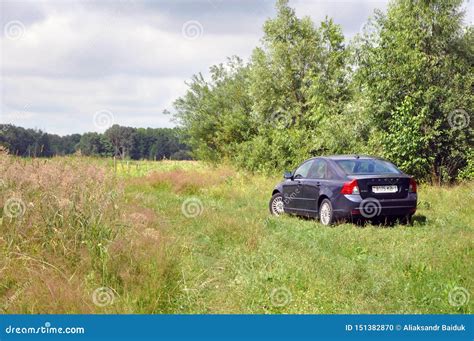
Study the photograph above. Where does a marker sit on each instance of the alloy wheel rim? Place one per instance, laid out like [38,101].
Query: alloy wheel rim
[325,214]
[277,206]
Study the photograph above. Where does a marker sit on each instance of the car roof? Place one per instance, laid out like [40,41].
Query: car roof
[348,157]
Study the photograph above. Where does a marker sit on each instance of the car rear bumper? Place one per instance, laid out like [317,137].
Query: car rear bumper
[354,206]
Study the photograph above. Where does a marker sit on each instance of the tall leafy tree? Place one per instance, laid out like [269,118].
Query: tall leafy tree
[281,67]
[417,76]
[215,113]
[298,82]
[121,139]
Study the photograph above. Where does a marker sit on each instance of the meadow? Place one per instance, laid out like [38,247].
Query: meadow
[85,235]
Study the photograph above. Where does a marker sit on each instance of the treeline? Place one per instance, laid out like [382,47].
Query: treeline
[402,89]
[123,142]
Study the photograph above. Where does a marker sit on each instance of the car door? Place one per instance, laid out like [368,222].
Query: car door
[293,199]
[312,185]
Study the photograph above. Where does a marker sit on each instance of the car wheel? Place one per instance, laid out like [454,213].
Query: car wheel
[276,204]
[326,213]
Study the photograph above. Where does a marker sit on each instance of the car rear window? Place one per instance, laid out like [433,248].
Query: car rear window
[367,166]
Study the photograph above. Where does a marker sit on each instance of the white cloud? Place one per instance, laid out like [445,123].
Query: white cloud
[350,14]
[73,63]
[129,56]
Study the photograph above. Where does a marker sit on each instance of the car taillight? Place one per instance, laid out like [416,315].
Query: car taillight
[412,187]
[350,187]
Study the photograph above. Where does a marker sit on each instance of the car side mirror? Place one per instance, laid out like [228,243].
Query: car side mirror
[288,175]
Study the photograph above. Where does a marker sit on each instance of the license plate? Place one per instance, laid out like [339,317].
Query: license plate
[385,189]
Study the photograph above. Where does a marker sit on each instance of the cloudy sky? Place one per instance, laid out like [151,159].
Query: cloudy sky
[75,66]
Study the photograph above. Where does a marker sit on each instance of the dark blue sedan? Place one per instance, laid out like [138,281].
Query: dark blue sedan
[346,187]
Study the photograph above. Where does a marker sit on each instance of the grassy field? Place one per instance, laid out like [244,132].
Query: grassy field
[79,235]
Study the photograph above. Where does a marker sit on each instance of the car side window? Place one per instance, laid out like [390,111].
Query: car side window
[318,169]
[302,171]
[347,166]
[330,174]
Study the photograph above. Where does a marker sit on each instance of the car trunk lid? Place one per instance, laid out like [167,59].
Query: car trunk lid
[387,186]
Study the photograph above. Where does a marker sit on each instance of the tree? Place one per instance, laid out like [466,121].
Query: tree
[94,144]
[298,83]
[140,143]
[25,142]
[281,67]
[417,74]
[63,145]
[215,114]
[121,138]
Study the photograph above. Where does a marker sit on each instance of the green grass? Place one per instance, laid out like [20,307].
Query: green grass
[230,257]
[234,258]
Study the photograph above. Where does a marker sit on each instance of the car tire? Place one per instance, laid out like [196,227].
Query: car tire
[276,205]
[326,213]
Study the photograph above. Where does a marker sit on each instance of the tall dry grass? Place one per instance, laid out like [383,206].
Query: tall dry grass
[66,231]
[185,181]
[74,239]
